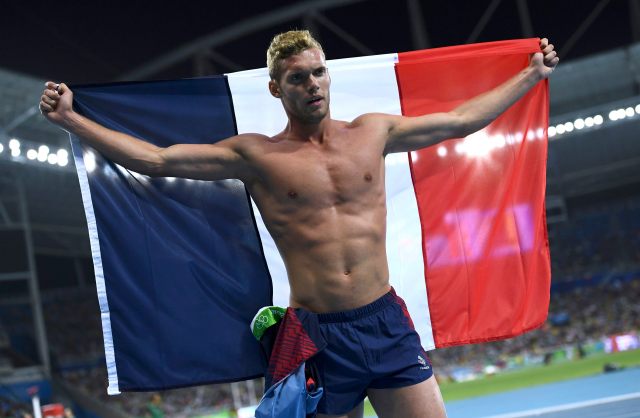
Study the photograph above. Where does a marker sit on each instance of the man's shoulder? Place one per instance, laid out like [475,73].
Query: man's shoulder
[247,140]
[374,117]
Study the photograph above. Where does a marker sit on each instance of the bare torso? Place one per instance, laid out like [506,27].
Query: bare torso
[324,204]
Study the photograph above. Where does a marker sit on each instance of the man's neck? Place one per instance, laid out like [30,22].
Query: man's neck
[311,132]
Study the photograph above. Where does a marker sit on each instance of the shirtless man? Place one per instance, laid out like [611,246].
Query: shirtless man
[319,185]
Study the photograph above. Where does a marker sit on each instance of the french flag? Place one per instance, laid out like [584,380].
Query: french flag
[183,265]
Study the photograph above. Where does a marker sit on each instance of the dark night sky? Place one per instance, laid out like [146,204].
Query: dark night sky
[96,41]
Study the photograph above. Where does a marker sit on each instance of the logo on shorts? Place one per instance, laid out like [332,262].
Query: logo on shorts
[423,363]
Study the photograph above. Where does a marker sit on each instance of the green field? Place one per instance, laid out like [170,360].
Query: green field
[532,376]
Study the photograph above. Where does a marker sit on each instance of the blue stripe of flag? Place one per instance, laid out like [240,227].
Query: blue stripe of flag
[183,265]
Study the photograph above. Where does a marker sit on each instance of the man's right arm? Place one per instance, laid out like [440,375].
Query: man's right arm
[218,161]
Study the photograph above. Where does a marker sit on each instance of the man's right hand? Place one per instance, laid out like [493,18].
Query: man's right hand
[56,102]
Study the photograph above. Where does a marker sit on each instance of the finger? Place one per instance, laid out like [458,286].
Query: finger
[548,48]
[550,55]
[544,42]
[49,101]
[45,107]
[52,94]
[61,88]
[50,85]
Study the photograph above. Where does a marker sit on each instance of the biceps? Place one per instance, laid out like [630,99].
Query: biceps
[413,133]
[201,162]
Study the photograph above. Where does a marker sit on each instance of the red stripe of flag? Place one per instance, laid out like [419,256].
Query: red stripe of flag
[483,222]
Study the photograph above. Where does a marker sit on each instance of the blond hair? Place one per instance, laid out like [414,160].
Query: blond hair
[285,45]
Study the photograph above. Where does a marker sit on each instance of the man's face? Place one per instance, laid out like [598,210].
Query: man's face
[303,86]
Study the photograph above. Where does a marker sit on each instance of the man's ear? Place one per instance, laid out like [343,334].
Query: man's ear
[274,89]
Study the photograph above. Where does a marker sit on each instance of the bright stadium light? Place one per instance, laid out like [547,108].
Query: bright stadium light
[579,123]
[1,148]
[568,126]
[15,152]
[613,115]
[638,109]
[14,143]
[62,162]
[560,129]
[552,131]
[629,112]
[499,141]
[63,154]
[32,154]
[598,119]
[52,159]
[90,161]
[442,151]
[588,122]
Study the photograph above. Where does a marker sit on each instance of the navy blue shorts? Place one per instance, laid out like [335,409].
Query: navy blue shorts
[375,346]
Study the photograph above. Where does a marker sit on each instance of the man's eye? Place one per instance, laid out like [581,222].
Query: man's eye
[319,72]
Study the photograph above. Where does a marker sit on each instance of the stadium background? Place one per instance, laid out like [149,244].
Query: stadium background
[50,335]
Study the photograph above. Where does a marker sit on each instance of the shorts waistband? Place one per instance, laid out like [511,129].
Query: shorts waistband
[345,316]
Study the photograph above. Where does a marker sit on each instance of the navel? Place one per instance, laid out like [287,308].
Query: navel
[368,177]
[347,272]
[292,194]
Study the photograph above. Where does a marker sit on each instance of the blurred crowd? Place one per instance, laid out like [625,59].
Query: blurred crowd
[597,240]
[600,238]
[575,318]
[177,403]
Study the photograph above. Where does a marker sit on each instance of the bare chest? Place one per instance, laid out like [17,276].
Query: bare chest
[322,175]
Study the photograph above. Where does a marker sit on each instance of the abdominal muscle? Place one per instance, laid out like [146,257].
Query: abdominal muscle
[335,257]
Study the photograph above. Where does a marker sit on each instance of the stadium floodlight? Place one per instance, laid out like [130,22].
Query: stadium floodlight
[568,126]
[588,122]
[63,154]
[551,132]
[32,154]
[62,162]
[90,161]
[579,123]
[629,112]
[52,159]
[43,152]
[14,143]
[442,151]
[560,129]
[598,119]
[638,109]
[1,148]
[613,115]
[15,152]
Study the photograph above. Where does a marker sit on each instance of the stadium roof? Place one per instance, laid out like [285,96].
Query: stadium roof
[87,42]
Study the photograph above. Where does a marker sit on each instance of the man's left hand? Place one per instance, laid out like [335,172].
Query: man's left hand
[544,62]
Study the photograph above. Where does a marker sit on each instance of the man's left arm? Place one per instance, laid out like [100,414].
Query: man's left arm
[413,133]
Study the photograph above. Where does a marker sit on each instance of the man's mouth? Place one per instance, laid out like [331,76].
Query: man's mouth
[314,100]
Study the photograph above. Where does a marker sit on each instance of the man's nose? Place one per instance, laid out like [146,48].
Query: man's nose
[313,84]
